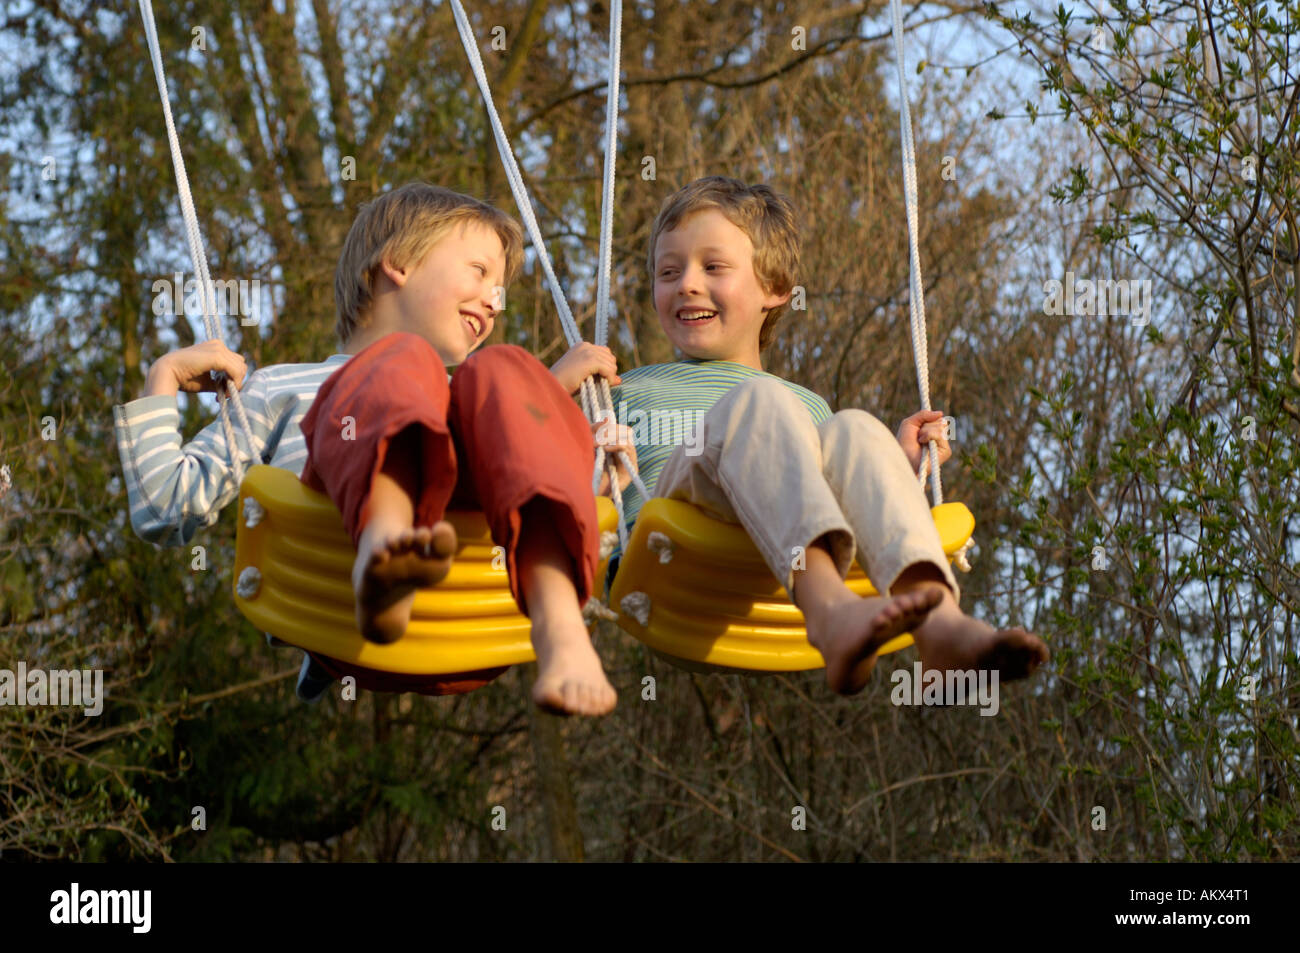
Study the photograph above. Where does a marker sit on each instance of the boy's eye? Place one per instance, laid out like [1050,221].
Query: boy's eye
[481,268]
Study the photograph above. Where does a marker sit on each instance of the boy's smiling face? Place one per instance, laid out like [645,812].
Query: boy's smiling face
[450,298]
[709,301]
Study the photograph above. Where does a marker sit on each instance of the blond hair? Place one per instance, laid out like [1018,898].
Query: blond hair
[401,227]
[766,216]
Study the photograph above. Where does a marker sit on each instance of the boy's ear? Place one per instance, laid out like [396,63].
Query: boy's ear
[396,275]
[772,301]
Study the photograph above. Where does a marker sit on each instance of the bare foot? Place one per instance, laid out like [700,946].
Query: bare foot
[852,631]
[951,640]
[570,679]
[393,562]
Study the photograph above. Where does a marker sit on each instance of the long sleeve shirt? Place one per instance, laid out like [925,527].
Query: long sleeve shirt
[175,489]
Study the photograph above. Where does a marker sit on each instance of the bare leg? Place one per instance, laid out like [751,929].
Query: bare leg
[570,680]
[849,630]
[395,558]
[951,640]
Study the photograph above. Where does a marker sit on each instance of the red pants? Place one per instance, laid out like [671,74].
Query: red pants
[499,434]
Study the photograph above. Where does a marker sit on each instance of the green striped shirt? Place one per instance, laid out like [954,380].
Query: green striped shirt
[664,403]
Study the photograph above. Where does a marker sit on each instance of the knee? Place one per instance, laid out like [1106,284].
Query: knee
[499,355]
[855,425]
[501,362]
[765,396]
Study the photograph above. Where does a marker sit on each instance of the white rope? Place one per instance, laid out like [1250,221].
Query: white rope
[513,175]
[603,302]
[605,401]
[198,257]
[920,352]
[596,400]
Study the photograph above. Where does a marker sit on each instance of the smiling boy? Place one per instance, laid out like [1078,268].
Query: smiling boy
[770,455]
[394,439]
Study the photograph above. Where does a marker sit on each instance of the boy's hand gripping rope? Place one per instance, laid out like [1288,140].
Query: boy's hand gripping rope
[199,258]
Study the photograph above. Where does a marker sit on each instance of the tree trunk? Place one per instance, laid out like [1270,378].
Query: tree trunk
[556,784]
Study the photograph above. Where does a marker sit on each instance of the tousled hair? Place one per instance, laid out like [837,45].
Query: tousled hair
[402,226]
[766,216]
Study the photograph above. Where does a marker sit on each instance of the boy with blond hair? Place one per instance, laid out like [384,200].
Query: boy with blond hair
[394,439]
[771,456]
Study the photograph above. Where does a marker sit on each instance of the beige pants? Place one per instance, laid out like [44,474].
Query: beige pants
[765,464]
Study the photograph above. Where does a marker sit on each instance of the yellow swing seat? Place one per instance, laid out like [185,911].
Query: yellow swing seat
[292,578]
[714,604]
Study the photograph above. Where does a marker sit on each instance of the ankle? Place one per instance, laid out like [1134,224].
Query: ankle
[920,576]
[818,604]
[558,632]
[817,588]
[819,617]
[549,591]
[923,586]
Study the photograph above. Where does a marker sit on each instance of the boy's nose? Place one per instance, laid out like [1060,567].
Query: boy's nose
[692,280]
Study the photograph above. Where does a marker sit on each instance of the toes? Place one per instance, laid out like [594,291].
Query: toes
[1036,646]
[561,699]
[393,545]
[1017,654]
[925,599]
[413,540]
[443,537]
[574,697]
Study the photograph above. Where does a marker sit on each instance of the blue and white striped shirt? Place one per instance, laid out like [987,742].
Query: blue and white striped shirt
[173,491]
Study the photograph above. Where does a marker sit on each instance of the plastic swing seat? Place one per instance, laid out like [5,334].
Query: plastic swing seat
[293,567]
[696,590]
